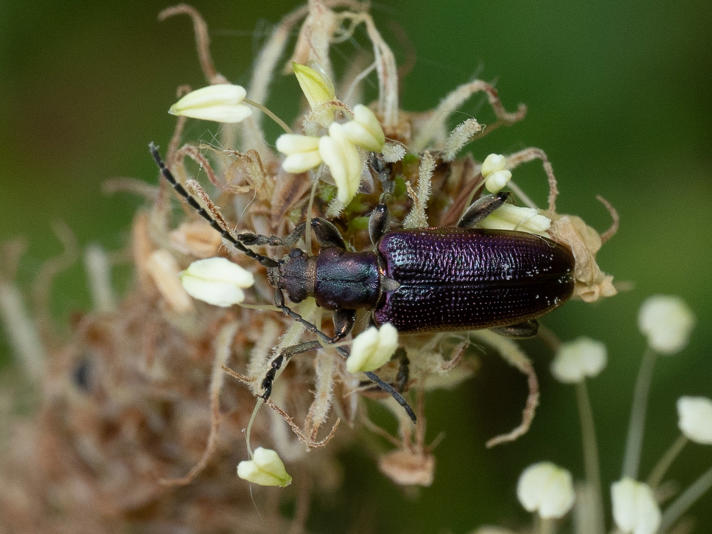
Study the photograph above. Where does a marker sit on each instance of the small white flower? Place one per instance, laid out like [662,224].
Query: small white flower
[266,469]
[634,508]
[493,163]
[372,348]
[365,130]
[316,86]
[302,152]
[695,419]
[667,322]
[220,103]
[494,171]
[578,359]
[497,181]
[217,281]
[547,489]
[343,160]
[509,217]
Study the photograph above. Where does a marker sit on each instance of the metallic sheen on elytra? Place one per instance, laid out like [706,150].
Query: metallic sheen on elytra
[439,278]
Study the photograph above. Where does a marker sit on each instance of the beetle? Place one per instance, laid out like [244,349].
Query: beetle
[419,280]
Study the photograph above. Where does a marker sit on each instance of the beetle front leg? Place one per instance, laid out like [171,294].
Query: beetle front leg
[327,234]
[378,220]
[519,330]
[481,208]
[343,323]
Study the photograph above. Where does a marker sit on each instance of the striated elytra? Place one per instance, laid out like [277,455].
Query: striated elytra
[438,278]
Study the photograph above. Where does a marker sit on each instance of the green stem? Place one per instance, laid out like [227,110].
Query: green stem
[269,113]
[686,499]
[658,472]
[545,526]
[631,460]
[590,452]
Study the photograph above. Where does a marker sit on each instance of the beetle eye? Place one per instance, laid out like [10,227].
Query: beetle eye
[295,253]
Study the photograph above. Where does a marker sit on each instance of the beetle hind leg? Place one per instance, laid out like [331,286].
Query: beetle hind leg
[520,330]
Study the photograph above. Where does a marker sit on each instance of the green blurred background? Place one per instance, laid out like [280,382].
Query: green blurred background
[618,96]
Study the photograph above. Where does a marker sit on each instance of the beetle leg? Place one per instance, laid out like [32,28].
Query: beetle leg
[327,234]
[343,323]
[378,223]
[403,374]
[480,209]
[279,302]
[280,360]
[519,330]
[403,369]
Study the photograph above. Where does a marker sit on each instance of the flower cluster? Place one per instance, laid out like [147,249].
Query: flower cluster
[338,148]
[548,490]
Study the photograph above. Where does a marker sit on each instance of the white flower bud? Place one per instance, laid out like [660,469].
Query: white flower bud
[316,86]
[547,489]
[365,130]
[667,322]
[266,469]
[492,164]
[634,508]
[509,217]
[302,152]
[343,161]
[578,359]
[220,103]
[497,180]
[372,348]
[695,419]
[217,281]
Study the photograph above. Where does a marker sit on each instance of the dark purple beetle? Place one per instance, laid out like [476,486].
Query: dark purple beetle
[435,279]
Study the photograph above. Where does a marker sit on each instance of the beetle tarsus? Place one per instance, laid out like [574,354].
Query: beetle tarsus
[520,330]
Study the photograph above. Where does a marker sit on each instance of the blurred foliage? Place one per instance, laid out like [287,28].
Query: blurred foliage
[618,97]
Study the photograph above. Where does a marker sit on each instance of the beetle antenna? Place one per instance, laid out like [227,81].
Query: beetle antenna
[190,199]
